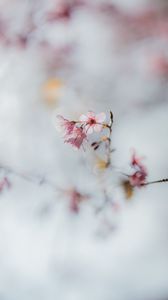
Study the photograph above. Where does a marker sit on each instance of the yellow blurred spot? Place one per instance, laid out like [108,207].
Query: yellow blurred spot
[51,90]
[104,138]
[128,189]
[101,164]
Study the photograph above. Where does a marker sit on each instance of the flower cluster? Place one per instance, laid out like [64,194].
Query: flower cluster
[75,132]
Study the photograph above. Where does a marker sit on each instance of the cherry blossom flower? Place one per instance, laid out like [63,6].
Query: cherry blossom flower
[76,137]
[72,134]
[93,122]
[135,160]
[138,178]
[64,125]
[75,198]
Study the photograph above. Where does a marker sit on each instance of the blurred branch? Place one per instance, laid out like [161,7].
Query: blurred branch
[36,179]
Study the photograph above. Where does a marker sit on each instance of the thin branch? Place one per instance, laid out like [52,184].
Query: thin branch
[156,181]
[109,139]
[40,180]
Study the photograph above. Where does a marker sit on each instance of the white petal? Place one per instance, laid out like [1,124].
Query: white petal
[91,114]
[97,128]
[100,117]
[59,123]
[83,118]
[88,129]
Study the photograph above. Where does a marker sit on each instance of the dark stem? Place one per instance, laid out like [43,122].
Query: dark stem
[156,181]
[109,139]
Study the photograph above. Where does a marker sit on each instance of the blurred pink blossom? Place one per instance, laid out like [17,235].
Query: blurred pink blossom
[138,178]
[75,199]
[159,65]
[63,10]
[4,183]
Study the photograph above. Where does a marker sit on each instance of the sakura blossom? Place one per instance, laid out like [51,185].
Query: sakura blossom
[72,133]
[69,219]
[93,122]
[76,138]
[136,161]
[65,126]
[75,132]
[138,178]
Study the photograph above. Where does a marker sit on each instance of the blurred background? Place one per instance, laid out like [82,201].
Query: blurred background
[67,57]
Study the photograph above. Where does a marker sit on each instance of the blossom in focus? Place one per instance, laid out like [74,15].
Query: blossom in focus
[72,134]
[65,126]
[93,122]
[76,137]
[138,178]
[75,132]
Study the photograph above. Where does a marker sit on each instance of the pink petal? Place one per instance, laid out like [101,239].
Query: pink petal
[100,117]
[97,128]
[83,118]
